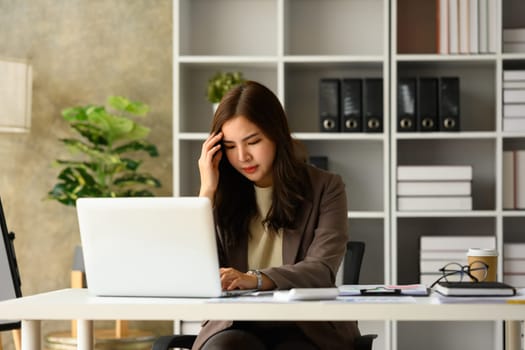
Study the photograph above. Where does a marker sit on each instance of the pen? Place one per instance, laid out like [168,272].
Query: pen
[515,301]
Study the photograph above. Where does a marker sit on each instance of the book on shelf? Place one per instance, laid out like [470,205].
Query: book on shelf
[434,188]
[427,109]
[513,74]
[372,104]
[434,172]
[433,266]
[492,30]
[434,203]
[449,104]
[517,84]
[448,255]
[473,23]
[513,95]
[514,265]
[514,250]
[453,26]
[406,104]
[514,279]
[513,179]
[508,180]
[351,105]
[513,47]
[514,110]
[463,26]
[514,124]
[329,107]
[519,180]
[442,24]
[513,35]
[475,289]
[483,26]
[455,243]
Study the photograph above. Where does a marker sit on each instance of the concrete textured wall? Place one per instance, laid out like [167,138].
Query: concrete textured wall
[82,51]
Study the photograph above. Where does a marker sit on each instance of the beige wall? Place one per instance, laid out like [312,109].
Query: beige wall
[82,51]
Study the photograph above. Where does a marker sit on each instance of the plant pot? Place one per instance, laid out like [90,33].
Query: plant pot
[214,107]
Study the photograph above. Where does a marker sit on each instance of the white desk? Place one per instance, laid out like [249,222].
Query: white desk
[70,304]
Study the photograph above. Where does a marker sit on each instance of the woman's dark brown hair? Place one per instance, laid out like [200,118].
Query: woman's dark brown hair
[235,196]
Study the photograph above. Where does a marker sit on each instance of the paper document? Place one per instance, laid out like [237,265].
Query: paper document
[383,290]
[306,294]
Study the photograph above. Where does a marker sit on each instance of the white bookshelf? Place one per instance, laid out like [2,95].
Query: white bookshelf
[479,143]
[289,45]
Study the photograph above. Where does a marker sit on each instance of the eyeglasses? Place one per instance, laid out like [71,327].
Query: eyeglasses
[454,272]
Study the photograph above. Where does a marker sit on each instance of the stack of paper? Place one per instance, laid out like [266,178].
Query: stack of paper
[431,187]
[513,40]
[514,264]
[514,100]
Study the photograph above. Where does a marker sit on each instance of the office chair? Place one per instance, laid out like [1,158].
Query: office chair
[351,269]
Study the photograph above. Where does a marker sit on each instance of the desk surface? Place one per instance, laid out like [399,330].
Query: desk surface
[78,304]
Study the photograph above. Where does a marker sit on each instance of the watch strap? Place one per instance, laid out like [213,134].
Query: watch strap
[258,275]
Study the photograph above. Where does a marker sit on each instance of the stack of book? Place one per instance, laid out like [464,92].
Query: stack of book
[434,187]
[514,100]
[466,26]
[438,251]
[514,264]
[514,179]
[478,289]
[513,40]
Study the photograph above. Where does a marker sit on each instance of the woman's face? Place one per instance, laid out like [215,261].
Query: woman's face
[248,150]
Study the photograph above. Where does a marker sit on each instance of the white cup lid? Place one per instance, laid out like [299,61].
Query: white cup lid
[482,252]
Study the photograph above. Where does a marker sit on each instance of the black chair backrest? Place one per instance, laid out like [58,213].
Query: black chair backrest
[353,260]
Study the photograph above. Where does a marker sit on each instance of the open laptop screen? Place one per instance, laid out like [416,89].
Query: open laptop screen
[149,246]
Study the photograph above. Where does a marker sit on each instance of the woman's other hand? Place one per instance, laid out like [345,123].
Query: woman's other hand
[209,160]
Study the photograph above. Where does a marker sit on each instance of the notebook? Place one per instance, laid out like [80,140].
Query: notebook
[150,246]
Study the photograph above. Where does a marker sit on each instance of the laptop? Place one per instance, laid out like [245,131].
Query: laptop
[150,247]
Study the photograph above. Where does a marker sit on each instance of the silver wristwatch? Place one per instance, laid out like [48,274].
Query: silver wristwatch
[257,274]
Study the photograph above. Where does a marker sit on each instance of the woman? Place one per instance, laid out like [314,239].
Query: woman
[281,223]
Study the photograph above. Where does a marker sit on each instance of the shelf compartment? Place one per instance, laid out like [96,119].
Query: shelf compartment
[479,335]
[195,109]
[228,27]
[370,231]
[512,17]
[360,164]
[334,27]
[514,228]
[189,179]
[410,230]
[477,88]
[302,88]
[480,153]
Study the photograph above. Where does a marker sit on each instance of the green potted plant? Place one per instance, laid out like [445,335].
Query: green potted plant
[103,166]
[221,83]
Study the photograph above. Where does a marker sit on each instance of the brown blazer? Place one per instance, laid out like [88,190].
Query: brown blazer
[312,254]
